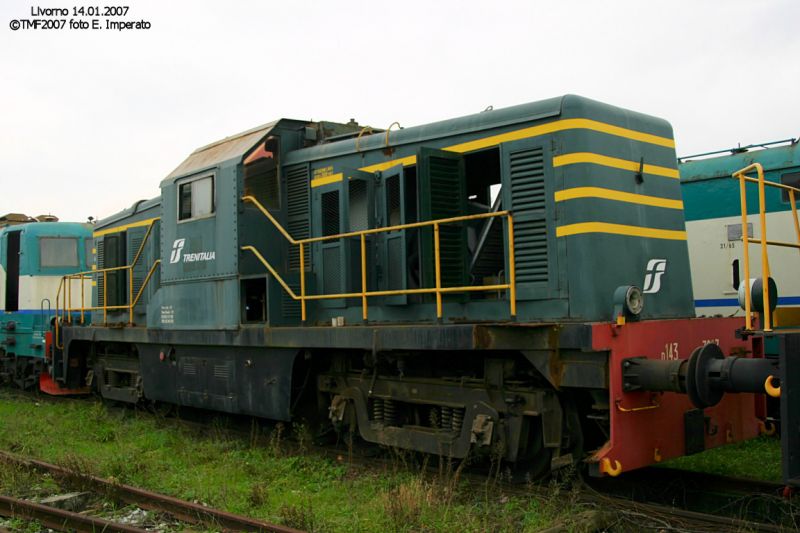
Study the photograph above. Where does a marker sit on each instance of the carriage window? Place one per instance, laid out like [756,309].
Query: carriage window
[793,180]
[196,198]
[58,252]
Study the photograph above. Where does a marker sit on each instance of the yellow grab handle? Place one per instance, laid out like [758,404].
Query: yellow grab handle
[773,391]
[766,430]
[612,471]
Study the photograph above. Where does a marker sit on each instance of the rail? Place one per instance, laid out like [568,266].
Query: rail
[741,175]
[364,294]
[64,308]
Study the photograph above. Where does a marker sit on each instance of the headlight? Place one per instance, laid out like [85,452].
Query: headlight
[634,300]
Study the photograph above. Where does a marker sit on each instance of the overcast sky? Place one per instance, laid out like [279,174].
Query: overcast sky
[91,121]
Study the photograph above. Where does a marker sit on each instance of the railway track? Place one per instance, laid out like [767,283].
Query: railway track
[63,520]
[60,519]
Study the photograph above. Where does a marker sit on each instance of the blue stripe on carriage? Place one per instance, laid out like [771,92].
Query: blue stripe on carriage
[734,302]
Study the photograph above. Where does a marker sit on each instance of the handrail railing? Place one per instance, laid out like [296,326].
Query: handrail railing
[64,309]
[364,294]
[765,270]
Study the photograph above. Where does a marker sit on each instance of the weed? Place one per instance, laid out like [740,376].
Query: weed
[276,439]
[80,469]
[219,428]
[22,526]
[255,432]
[300,516]
[405,504]
[259,495]
[303,436]
[22,482]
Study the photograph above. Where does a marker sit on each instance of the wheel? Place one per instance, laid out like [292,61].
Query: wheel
[533,462]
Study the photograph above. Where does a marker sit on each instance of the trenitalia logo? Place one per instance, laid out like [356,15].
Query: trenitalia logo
[177,248]
[652,281]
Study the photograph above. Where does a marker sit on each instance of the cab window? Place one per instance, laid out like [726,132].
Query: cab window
[196,198]
[791,179]
[58,252]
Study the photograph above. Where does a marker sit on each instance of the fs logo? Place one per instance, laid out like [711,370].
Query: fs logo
[652,281]
[177,248]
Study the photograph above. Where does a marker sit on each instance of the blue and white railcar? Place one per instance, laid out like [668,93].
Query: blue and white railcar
[712,207]
[33,259]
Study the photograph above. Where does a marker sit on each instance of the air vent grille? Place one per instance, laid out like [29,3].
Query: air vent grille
[139,271]
[297,189]
[530,226]
[101,263]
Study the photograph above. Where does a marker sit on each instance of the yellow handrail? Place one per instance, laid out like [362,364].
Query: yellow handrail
[746,240]
[65,312]
[364,294]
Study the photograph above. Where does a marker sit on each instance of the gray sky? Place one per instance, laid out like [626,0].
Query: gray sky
[91,121]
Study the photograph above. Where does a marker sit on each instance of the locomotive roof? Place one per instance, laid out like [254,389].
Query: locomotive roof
[722,166]
[222,150]
[140,206]
[236,146]
[568,105]
[54,229]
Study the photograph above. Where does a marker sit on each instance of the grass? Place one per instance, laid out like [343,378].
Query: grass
[759,458]
[253,476]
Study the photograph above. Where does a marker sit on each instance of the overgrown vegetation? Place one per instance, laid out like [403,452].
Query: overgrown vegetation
[255,476]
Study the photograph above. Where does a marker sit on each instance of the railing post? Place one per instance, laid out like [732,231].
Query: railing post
[512,274]
[794,214]
[105,297]
[59,310]
[438,271]
[762,212]
[364,277]
[746,242]
[83,303]
[130,295]
[69,299]
[302,284]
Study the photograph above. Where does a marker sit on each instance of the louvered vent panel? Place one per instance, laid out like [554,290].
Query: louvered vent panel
[528,205]
[139,271]
[261,181]
[222,371]
[446,178]
[101,263]
[290,308]
[297,214]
